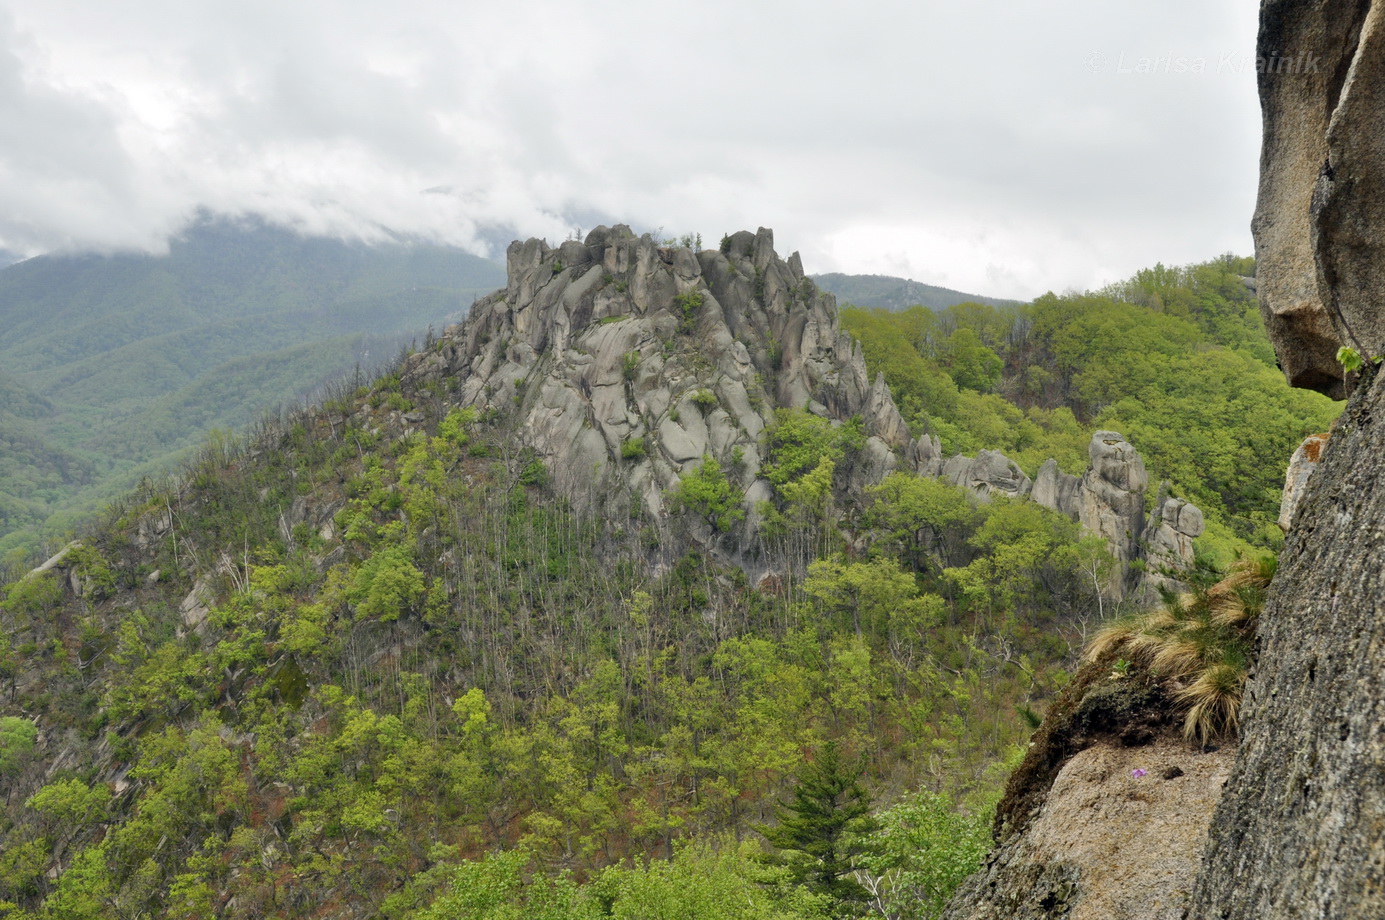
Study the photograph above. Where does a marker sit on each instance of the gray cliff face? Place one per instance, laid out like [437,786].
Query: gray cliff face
[1300,831]
[1319,205]
[624,364]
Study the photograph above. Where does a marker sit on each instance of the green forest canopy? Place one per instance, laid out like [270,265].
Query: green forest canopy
[1175,359]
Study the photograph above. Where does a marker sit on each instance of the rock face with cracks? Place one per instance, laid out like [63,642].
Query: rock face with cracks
[628,363]
[624,364]
[1300,831]
[1322,184]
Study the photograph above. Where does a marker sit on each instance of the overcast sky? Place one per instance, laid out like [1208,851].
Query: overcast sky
[998,148]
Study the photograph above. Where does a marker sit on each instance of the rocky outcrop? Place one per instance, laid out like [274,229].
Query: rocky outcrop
[1168,540]
[625,364]
[1055,489]
[988,473]
[1119,835]
[1300,831]
[1111,497]
[1321,200]
[1109,501]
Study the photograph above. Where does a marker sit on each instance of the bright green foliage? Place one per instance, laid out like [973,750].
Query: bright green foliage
[685,308]
[17,738]
[456,427]
[799,441]
[706,491]
[387,585]
[971,364]
[698,883]
[632,449]
[70,802]
[811,496]
[462,664]
[1025,548]
[923,849]
[1350,359]
[924,517]
[870,596]
[34,595]
[1174,358]
[703,883]
[92,571]
[819,833]
[497,889]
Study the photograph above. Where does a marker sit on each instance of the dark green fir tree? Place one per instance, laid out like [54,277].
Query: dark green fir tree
[820,832]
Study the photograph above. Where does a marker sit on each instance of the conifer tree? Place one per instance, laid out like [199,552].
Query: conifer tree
[819,833]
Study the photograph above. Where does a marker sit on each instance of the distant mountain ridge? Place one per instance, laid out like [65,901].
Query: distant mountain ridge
[890,293]
[112,364]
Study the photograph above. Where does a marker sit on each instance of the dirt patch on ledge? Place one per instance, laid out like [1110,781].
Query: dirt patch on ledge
[1127,712]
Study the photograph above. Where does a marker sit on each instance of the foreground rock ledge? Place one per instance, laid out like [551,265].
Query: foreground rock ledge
[1107,843]
[1107,815]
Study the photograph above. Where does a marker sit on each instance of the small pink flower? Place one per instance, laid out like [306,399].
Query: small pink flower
[1137,773]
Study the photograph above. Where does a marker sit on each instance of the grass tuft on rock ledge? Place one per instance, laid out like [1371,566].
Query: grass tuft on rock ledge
[1201,641]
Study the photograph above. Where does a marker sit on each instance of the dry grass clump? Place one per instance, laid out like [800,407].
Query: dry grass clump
[1201,641]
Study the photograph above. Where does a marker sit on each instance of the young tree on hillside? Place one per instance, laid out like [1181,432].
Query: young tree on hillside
[820,832]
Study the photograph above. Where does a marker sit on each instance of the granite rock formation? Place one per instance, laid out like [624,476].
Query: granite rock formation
[1300,830]
[624,364]
[1301,466]
[628,363]
[1321,198]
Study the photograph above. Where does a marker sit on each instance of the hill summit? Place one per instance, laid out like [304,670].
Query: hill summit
[628,366]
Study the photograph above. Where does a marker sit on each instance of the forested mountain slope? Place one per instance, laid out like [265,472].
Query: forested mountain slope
[117,363]
[889,293]
[482,637]
[322,675]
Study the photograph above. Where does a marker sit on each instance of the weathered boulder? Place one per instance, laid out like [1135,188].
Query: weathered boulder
[1107,842]
[1055,489]
[989,473]
[1169,534]
[1107,814]
[1301,466]
[927,456]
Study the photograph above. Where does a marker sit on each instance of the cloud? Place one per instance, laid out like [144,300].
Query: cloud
[975,144]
